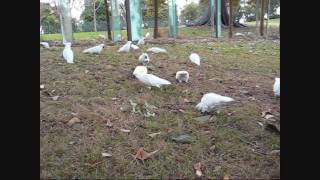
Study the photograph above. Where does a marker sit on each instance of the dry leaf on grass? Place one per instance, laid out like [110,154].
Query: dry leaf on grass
[264,113]
[106,155]
[142,154]
[154,134]
[72,121]
[125,130]
[197,167]
[55,98]
[109,123]
[226,177]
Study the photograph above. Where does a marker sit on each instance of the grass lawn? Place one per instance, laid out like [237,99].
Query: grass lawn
[97,89]
[202,31]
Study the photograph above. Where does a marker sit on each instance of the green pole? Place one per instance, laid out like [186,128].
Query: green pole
[115,20]
[136,20]
[218,11]
[173,21]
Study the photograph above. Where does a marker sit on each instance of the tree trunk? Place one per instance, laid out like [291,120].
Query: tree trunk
[257,15]
[262,17]
[94,16]
[155,30]
[127,6]
[230,18]
[108,19]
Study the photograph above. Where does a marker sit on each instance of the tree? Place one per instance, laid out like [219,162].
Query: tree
[190,12]
[148,9]
[94,11]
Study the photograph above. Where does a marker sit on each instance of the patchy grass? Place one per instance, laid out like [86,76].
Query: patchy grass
[272,23]
[201,31]
[88,86]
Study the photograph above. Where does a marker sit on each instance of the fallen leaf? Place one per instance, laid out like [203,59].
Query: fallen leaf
[260,124]
[106,155]
[71,142]
[142,154]
[125,130]
[264,113]
[268,116]
[154,134]
[274,152]
[197,167]
[226,177]
[55,98]
[203,119]
[251,98]
[181,110]
[41,86]
[74,114]
[73,120]
[109,123]
[86,71]
[185,139]
[186,101]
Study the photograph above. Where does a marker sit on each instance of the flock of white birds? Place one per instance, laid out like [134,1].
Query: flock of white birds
[208,102]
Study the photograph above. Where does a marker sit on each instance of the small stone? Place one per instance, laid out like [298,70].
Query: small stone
[55,98]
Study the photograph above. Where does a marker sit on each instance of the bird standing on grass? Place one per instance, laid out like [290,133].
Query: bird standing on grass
[144,59]
[195,58]
[276,87]
[94,50]
[67,53]
[211,100]
[126,47]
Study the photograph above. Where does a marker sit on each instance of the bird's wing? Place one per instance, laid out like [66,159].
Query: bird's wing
[156,80]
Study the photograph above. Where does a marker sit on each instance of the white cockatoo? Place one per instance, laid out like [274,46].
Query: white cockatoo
[211,100]
[94,50]
[147,35]
[134,47]
[182,76]
[141,41]
[67,53]
[45,45]
[151,80]
[239,34]
[126,47]
[276,87]
[156,50]
[195,58]
[140,70]
[144,59]
[102,36]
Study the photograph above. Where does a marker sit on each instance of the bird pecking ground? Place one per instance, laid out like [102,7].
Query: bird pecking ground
[97,89]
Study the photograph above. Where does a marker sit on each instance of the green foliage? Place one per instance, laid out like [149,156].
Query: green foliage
[87,14]
[190,12]
[148,9]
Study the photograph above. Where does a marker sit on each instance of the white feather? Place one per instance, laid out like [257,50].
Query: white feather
[211,100]
[126,47]
[156,50]
[147,35]
[95,49]
[151,80]
[45,44]
[195,58]
[276,87]
[239,34]
[67,53]
[140,70]
[182,76]
[134,47]
[144,59]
